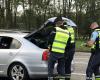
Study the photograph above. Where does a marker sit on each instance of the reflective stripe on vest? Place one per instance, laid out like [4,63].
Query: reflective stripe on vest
[72,33]
[94,46]
[60,40]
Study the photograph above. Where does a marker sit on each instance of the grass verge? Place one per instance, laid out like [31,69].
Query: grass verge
[80,47]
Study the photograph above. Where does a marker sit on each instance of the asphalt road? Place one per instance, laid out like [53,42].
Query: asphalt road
[80,64]
[81,61]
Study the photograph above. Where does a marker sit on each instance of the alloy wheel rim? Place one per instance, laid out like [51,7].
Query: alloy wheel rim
[17,72]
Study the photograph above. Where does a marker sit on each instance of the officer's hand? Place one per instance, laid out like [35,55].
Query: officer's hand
[47,50]
[90,43]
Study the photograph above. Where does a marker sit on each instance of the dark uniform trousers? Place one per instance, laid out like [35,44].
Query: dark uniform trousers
[69,54]
[56,58]
[93,65]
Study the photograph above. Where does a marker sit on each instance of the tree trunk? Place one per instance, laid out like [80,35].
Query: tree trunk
[54,8]
[8,14]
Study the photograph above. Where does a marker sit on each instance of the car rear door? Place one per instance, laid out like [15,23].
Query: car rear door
[8,49]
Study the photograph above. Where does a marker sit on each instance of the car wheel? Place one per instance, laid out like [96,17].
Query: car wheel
[18,72]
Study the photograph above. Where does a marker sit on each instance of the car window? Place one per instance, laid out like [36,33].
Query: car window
[41,37]
[39,40]
[5,42]
[15,44]
[9,43]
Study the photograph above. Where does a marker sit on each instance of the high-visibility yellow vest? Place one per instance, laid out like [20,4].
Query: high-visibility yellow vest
[72,33]
[60,40]
[95,46]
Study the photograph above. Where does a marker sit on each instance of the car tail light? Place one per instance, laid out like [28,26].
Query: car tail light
[45,56]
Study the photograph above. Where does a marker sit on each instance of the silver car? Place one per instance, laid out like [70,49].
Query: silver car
[23,55]
[20,58]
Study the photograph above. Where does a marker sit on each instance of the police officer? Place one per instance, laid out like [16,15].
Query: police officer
[70,51]
[94,62]
[58,40]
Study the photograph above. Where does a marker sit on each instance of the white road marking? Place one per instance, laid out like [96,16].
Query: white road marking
[81,62]
[81,58]
[79,74]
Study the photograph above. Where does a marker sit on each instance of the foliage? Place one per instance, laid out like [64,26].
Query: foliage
[80,47]
[36,12]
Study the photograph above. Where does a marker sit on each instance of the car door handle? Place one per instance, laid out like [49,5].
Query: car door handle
[10,53]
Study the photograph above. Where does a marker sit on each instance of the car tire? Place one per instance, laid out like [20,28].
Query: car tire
[18,72]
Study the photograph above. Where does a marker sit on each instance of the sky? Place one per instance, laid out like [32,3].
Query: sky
[20,9]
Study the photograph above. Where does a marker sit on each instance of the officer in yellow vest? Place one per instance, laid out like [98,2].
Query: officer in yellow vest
[70,51]
[58,41]
[94,62]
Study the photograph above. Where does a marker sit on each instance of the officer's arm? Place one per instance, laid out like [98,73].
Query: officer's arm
[92,40]
[51,38]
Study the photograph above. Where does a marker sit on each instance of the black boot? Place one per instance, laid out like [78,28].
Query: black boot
[67,78]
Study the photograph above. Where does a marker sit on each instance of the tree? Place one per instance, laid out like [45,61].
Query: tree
[36,12]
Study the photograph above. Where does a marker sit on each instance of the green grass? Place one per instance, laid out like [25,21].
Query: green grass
[80,48]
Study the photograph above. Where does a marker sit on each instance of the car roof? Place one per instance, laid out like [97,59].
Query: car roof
[13,34]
